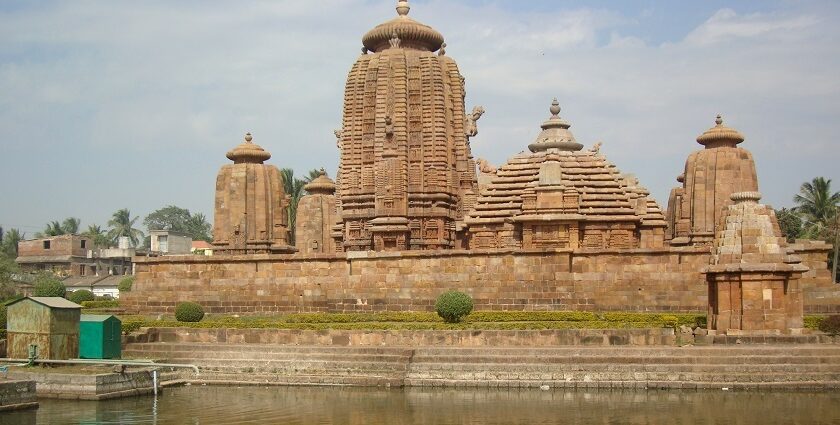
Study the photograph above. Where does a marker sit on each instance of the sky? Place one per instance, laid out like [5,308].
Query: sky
[107,105]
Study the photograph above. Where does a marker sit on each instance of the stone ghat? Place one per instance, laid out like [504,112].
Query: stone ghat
[656,280]
[727,366]
[80,386]
[17,395]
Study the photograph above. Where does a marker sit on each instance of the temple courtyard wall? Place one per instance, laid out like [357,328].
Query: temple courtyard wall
[656,280]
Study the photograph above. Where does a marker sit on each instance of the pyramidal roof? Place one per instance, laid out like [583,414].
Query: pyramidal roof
[605,193]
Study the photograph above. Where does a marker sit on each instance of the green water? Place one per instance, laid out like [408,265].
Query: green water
[337,405]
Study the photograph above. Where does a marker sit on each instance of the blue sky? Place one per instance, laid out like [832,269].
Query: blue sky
[108,105]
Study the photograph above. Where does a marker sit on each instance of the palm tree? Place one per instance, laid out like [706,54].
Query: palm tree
[294,188]
[199,228]
[10,241]
[53,229]
[70,225]
[122,224]
[817,206]
[97,234]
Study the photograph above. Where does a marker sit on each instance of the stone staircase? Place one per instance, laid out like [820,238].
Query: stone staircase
[735,367]
[280,364]
[740,367]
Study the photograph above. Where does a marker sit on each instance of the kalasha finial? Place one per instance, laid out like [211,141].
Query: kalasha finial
[403,7]
[555,107]
[323,172]
[248,137]
[719,120]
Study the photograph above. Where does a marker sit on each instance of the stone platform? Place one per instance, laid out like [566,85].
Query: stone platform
[87,386]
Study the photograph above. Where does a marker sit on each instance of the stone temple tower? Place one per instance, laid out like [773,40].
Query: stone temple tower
[406,175]
[711,175]
[250,214]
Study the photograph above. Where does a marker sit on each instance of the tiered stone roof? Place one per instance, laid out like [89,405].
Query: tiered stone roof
[605,195]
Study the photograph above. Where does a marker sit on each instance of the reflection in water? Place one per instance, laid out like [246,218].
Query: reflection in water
[363,406]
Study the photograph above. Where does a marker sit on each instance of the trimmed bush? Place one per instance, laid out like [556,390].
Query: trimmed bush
[100,304]
[126,284]
[47,285]
[81,296]
[831,325]
[453,305]
[189,312]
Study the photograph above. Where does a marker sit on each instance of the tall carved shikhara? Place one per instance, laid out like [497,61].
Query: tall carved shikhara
[406,176]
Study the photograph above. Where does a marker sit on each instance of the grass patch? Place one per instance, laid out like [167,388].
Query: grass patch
[480,320]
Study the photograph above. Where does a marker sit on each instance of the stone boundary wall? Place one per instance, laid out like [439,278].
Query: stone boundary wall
[656,280]
[17,395]
[411,338]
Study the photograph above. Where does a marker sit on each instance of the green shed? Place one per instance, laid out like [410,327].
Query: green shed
[51,323]
[99,336]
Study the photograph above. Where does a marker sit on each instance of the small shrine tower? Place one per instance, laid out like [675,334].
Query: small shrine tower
[251,214]
[711,175]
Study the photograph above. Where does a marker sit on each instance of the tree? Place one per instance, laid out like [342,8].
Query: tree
[122,224]
[70,225]
[180,220]
[789,223]
[293,187]
[10,242]
[53,229]
[7,268]
[817,206]
[98,235]
[47,284]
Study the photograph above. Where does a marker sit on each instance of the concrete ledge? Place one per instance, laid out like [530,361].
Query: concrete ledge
[17,395]
[88,386]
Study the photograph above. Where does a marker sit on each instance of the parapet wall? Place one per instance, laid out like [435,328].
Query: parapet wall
[659,280]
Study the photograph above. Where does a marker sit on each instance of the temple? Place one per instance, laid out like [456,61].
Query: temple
[250,214]
[406,176]
[557,227]
[711,175]
[561,196]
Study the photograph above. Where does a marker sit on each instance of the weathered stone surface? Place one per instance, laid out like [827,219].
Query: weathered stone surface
[250,214]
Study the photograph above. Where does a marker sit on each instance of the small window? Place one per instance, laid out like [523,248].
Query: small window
[84,242]
[81,270]
[47,244]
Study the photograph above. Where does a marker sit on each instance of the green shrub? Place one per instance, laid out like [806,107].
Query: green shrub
[2,316]
[48,285]
[831,325]
[812,322]
[100,304]
[81,296]
[188,312]
[126,284]
[129,325]
[453,305]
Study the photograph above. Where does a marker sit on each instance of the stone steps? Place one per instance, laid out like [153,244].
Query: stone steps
[764,366]
[281,364]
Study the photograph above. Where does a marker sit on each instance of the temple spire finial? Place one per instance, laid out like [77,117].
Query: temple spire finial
[719,120]
[248,137]
[403,7]
[555,107]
